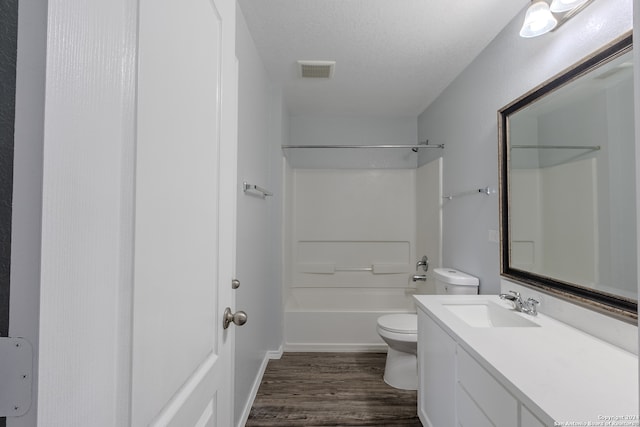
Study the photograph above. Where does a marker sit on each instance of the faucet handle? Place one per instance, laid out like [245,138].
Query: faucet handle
[532,305]
[424,263]
[515,293]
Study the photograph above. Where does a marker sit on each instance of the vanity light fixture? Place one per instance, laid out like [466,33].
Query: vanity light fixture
[542,18]
[561,6]
[538,20]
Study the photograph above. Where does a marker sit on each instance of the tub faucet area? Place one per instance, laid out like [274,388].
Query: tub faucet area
[530,306]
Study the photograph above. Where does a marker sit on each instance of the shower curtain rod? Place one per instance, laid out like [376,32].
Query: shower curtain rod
[559,147]
[366,146]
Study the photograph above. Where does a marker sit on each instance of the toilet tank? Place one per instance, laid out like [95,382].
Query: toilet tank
[454,282]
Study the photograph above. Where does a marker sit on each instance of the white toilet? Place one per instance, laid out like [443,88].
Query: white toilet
[400,331]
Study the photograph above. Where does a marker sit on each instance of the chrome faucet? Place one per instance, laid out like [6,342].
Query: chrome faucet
[424,263]
[530,306]
[419,278]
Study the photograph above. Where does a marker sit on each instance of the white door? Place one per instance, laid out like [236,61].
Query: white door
[185,213]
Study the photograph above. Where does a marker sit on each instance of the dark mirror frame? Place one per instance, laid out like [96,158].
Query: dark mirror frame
[624,308]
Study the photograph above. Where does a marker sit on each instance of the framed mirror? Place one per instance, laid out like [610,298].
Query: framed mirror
[568,184]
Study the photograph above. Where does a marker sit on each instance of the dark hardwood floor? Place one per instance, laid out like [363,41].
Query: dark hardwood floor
[331,389]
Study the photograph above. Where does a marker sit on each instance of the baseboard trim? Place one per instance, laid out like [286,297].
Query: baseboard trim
[275,354]
[335,347]
[272,354]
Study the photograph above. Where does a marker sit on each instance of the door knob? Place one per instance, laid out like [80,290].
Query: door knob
[239,318]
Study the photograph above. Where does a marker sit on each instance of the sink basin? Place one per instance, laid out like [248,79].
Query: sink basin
[489,315]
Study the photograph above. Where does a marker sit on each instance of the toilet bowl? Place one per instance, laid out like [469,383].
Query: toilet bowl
[400,331]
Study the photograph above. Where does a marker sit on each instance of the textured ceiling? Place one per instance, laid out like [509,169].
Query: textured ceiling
[393,57]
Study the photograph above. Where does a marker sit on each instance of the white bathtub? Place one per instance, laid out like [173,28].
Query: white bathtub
[340,319]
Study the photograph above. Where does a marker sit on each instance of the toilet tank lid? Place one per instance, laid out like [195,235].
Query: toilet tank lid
[455,277]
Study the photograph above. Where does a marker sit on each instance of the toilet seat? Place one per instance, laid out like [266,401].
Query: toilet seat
[406,323]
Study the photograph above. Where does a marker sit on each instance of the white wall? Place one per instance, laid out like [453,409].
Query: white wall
[352,130]
[464,119]
[258,266]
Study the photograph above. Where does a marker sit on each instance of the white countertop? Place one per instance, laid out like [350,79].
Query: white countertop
[557,371]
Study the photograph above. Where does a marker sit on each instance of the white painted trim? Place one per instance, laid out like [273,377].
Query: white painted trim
[206,416]
[178,401]
[636,98]
[336,347]
[26,236]
[275,354]
[87,214]
[269,355]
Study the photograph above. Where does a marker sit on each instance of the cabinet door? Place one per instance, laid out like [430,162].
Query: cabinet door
[527,419]
[436,373]
[469,414]
[490,396]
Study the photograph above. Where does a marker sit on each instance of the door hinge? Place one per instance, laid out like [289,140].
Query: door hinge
[16,376]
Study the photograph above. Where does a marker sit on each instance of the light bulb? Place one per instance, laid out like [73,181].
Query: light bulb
[538,20]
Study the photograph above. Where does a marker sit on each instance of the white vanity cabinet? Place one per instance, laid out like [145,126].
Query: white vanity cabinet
[475,386]
[455,390]
[482,400]
[436,374]
[480,363]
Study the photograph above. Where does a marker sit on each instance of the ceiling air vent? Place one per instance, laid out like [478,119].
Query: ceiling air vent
[316,69]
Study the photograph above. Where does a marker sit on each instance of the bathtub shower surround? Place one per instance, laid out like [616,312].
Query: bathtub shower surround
[352,255]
